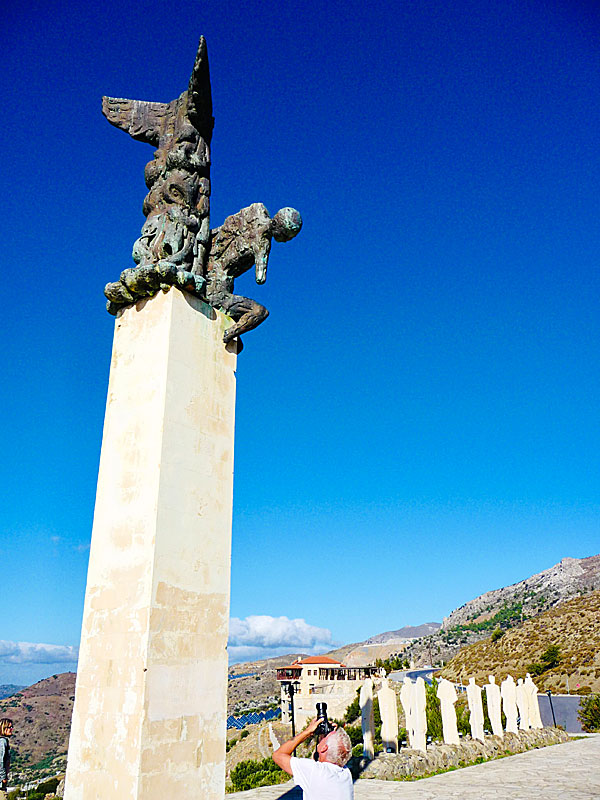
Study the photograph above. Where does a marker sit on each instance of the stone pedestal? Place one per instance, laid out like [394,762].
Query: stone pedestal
[150,703]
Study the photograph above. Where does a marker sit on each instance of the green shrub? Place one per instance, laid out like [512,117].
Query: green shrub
[392,664]
[550,658]
[353,711]
[507,617]
[433,711]
[355,734]
[497,634]
[589,713]
[251,774]
[463,717]
[535,669]
[244,733]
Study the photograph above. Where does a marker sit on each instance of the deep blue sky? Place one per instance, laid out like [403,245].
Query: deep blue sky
[417,421]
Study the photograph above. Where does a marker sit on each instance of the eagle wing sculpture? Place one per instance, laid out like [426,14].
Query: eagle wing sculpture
[141,119]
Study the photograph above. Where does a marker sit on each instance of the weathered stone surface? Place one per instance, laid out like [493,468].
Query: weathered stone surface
[149,720]
[409,763]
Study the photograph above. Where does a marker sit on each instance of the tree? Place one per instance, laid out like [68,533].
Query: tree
[353,710]
[589,713]
[550,658]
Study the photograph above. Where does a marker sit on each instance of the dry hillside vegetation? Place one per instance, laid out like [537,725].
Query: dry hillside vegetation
[253,691]
[254,742]
[42,717]
[574,626]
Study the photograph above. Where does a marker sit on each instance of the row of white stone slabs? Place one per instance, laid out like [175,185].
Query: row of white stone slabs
[519,701]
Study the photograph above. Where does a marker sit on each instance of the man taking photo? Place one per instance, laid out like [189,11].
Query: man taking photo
[325,779]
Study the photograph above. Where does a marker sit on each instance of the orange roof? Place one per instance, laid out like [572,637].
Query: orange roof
[314,660]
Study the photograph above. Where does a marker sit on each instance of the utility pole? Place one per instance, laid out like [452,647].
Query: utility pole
[290,690]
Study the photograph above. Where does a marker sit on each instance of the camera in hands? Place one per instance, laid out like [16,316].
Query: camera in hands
[325,726]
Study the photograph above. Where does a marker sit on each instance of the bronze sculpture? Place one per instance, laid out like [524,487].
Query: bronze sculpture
[176,246]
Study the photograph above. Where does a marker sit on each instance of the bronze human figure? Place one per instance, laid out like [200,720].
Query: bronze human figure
[242,241]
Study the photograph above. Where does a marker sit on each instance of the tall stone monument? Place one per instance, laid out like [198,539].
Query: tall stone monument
[493,698]
[367,718]
[476,718]
[149,720]
[388,708]
[447,697]
[508,692]
[420,716]
[522,698]
[531,691]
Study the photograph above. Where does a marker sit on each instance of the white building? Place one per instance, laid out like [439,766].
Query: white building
[320,679]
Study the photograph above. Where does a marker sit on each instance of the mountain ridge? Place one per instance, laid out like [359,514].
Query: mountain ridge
[538,593]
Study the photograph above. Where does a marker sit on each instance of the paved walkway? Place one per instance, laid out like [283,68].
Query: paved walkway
[569,771]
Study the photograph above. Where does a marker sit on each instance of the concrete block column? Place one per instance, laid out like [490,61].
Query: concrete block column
[151,696]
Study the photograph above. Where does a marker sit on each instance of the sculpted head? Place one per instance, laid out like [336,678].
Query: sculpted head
[286,224]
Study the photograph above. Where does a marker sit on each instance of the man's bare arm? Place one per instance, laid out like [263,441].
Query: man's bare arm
[282,755]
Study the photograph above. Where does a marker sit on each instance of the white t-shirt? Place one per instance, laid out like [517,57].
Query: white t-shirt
[321,780]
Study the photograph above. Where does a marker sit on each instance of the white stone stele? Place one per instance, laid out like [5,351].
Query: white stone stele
[388,708]
[523,705]
[407,700]
[367,721]
[535,719]
[508,690]
[149,720]
[419,716]
[447,696]
[492,694]
[475,710]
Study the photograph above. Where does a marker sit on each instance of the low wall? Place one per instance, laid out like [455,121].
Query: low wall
[413,763]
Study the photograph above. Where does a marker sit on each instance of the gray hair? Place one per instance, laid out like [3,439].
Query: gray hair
[339,747]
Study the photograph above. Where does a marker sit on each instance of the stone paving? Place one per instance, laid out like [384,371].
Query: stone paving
[569,771]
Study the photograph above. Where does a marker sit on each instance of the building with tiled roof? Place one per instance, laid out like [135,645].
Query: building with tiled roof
[320,679]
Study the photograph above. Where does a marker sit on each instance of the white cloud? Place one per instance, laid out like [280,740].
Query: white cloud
[33,653]
[252,638]
[262,636]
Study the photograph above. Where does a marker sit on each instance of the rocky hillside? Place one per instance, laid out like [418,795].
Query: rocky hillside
[574,626]
[254,684]
[42,717]
[404,634]
[570,577]
[507,607]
